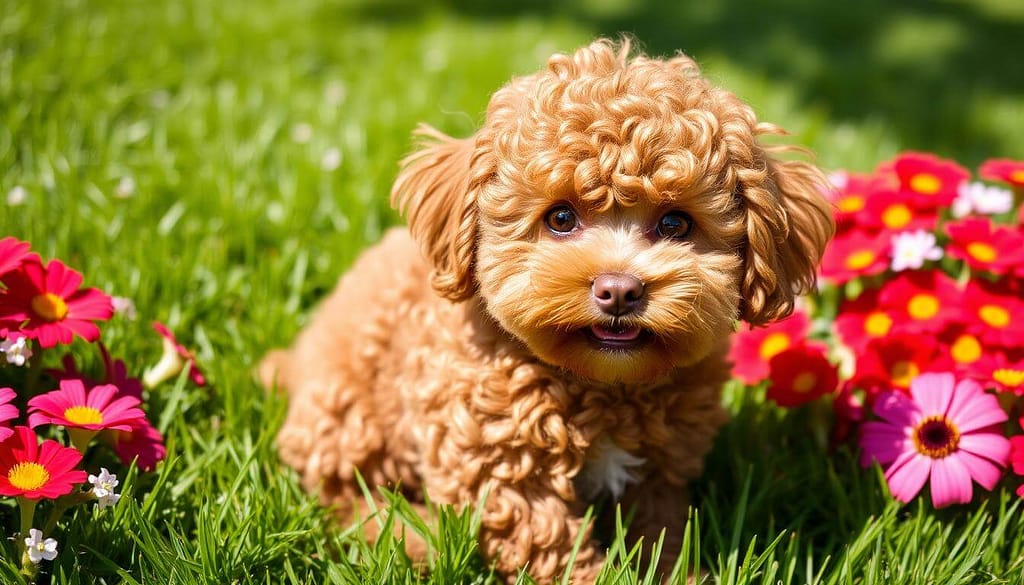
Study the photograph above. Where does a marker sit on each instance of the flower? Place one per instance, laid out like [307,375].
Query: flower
[921,301]
[853,254]
[331,159]
[116,374]
[125,188]
[16,350]
[753,348]
[862,319]
[32,471]
[8,411]
[945,431]
[1003,169]
[896,212]
[985,247]
[801,374]
[17,196]
[911,249]
[38,549]
[124,306]
[174,357]
[12,253]
[998,371]
[143,444]
[848,196]
[99,408]
[49,301]
[990,310]
[103,488]
[981,199]
[931,181]
[892,362]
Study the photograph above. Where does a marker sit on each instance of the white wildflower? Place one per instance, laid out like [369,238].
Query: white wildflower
[331,159]
[334,93]
[103,488]
[17,196]
[125,188]
[16,350]
[125,307]
[302,133]
[39,549]
[976,197]
[911,249]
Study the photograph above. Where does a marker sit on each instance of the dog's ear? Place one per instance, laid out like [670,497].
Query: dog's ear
[433,192]
[788,223]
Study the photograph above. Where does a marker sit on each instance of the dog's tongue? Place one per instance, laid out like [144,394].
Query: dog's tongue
[615,333]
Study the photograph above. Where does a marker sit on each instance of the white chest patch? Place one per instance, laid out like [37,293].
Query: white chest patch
[608,468]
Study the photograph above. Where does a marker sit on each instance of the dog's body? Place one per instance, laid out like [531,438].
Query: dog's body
[589,250]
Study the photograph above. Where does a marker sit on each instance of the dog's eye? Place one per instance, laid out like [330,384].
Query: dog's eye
[675,224]
[561,219]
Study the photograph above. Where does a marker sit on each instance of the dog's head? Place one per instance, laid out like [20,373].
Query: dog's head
[617,214]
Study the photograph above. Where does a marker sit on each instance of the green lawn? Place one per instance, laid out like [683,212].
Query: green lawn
[262,138]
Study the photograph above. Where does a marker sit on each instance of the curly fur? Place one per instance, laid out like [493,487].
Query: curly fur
[485,385]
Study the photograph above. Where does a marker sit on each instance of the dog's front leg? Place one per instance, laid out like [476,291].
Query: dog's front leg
[657,505]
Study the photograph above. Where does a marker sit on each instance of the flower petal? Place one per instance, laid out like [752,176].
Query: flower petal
[933,391]
[898,409]
[981,470]
[882,442]
[991,446]
[907,475]
[951,482]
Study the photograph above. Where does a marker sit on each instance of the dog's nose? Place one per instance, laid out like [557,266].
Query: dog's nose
[616,293]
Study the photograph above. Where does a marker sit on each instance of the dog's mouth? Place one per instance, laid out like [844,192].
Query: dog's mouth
[615,336]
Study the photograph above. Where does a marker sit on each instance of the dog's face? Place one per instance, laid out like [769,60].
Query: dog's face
[617,216]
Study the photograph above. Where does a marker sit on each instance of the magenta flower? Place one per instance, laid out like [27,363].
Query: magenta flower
[47,304]
[143,444]
[98,409]
[12,253]
[945,431]
[7,412]
[116,374]
[32,471]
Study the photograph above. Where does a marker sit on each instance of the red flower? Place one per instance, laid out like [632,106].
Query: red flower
[50,306]
[12,253]
[892,362]
[801,374]
[993,313]
[854,254]
[962,351]
[931,181]
[753,348]
[921,301]
[116,373]
[1003,169]
[896,212]
[1004,374]
[33,471]
[862,319]
[850,196]
[96,410]
[985,247]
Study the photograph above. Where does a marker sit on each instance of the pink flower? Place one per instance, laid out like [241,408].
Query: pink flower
[12,253]
[143,444]
[116,374]
[71,406]
[171,362]
[47,304]
[945,431]
[7,411]
[32,471]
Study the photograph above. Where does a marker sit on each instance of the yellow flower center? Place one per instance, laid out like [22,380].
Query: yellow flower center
[966,349]
[49,307]
[994,316]
[805,382]
[860,259]
[925,183]
[1017,176]
[83,415]
[923,306]
[773,345]
[28,475]
[1008,377]
[902,372]
[878,324]
[896,216]
[851,203]
[936,436]
[981,251]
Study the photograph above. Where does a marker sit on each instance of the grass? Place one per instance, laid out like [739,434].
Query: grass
[235,230]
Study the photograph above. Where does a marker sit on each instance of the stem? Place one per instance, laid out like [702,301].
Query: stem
[35,368]
[80,438]
[28,510]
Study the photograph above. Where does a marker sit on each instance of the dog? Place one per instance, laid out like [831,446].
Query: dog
[551,329]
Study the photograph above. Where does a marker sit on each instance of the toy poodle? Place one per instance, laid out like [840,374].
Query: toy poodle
[551,329]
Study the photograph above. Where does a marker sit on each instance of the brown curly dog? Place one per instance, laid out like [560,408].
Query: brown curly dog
[590,249]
